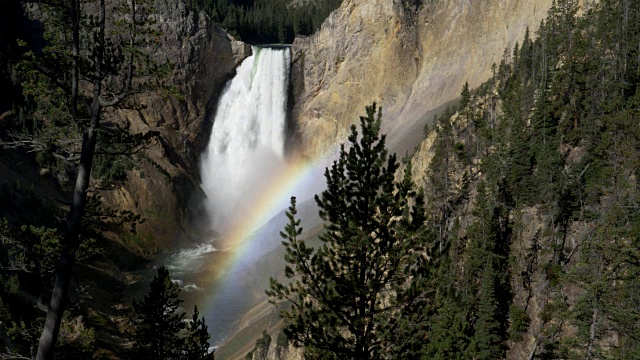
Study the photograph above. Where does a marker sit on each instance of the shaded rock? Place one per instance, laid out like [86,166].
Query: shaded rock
[164,188]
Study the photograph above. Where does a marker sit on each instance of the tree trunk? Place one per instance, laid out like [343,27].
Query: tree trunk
[56,306]
[67,256]
[592,333]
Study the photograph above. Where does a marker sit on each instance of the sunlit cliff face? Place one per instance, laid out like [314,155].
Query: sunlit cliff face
[411,60]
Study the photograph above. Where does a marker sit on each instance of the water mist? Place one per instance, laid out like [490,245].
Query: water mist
[246,148]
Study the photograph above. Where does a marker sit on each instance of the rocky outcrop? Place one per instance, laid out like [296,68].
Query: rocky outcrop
[283,349]
[161,187]
[409,56]
[267,348]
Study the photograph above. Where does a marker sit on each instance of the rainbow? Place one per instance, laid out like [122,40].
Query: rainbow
[238,241]
[243,165]
[242,242]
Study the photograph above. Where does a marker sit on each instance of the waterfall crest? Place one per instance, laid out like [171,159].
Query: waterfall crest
[246,147]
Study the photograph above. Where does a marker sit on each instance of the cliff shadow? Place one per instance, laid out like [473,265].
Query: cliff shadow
[296,84]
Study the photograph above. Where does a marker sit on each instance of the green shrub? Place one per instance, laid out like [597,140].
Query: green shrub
[519,323]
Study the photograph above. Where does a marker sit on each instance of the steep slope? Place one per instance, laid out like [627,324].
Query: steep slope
[161,189]
[411,58]
[537,176]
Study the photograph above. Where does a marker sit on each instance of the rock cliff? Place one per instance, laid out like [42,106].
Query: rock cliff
[161,188]
[409,56]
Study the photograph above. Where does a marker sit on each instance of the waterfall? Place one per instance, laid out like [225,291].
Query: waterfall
[248,183]
[246,147]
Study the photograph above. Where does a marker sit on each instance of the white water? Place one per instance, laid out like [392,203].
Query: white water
[246,148]
[244,157]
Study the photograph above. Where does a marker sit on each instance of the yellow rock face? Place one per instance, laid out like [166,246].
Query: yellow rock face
[409,59]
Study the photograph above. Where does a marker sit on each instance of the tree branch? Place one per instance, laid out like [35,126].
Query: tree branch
[54,79]
[13,356]
[48,3]
[126,91]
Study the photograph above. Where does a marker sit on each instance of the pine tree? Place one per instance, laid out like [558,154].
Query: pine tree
[465,101]
[449,327]
[360,295]
[94,58]
[487,328]
[465,96]
[196,345]
[441,172]
[157,320]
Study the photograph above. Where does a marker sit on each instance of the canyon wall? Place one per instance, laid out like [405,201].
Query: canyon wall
[410,57]
[163,186]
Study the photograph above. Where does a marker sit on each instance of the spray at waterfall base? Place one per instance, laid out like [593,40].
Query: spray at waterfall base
[248,182]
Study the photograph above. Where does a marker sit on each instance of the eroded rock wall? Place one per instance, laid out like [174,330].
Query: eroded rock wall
[409,57]
[165,188]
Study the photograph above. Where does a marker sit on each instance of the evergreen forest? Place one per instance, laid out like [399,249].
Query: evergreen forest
[267,21]
[533,193]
